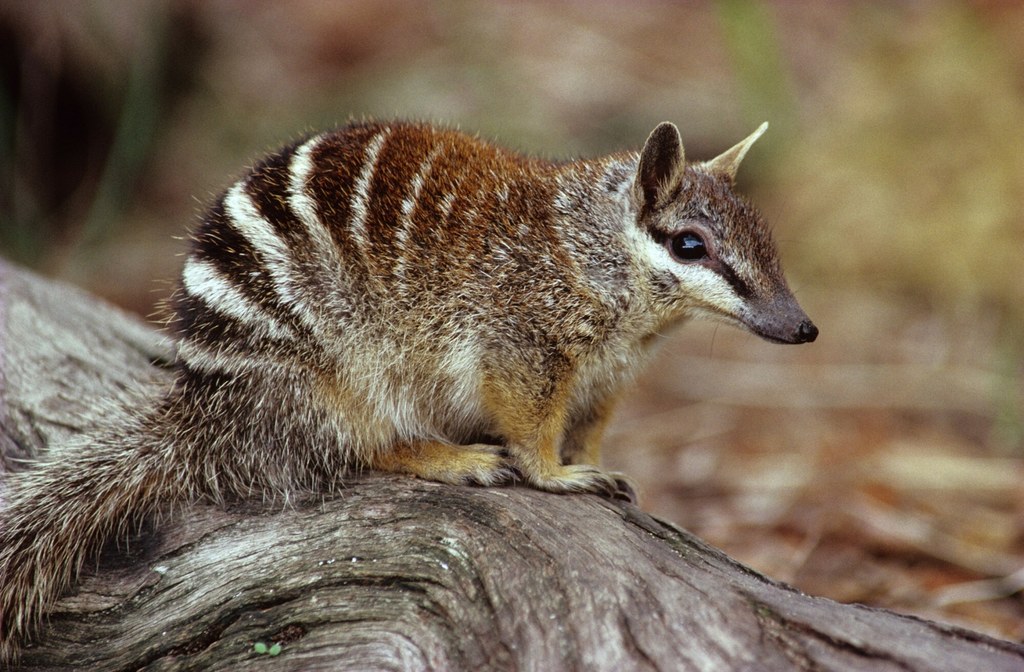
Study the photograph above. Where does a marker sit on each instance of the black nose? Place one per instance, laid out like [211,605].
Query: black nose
[806,332]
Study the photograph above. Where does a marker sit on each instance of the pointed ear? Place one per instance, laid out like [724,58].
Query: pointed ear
[660,170]
[728,162]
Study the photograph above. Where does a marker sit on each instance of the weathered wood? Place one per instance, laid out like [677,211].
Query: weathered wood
[405,574]
[64,355]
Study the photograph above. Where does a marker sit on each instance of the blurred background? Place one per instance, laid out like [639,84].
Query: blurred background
[883,464]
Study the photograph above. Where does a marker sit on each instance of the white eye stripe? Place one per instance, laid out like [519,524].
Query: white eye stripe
[712,288]
[699,281]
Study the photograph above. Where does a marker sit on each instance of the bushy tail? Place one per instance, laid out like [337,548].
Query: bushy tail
[57,514]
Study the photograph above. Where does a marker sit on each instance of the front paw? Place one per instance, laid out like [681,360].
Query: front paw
[581,478]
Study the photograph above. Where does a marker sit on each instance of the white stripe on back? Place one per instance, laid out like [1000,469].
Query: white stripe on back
[203,281]
[202,358]
[408,207]
[304,205]
[247,220]
[361,189]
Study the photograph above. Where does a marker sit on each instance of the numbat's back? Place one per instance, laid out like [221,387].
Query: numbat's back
[411,299]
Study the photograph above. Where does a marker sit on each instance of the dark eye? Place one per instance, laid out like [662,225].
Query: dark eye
[688,246]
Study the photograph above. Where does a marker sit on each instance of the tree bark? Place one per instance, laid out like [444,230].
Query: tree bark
[404,574]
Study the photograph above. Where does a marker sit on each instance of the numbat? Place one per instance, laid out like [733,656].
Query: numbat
[400,297]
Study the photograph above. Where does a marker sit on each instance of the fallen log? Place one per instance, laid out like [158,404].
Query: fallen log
[398,573]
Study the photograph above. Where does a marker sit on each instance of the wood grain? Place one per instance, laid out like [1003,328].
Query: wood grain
[404,574]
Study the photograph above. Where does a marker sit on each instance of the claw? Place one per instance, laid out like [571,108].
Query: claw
[576,478]
[624,490]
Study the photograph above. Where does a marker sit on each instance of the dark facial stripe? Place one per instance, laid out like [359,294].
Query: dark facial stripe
[739,285]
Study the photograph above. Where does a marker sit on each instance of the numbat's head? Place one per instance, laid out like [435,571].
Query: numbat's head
[710,253]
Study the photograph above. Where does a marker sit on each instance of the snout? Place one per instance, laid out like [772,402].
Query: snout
[781,321]
[806,332]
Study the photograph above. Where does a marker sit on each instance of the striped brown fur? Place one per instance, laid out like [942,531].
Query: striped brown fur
[403,297]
